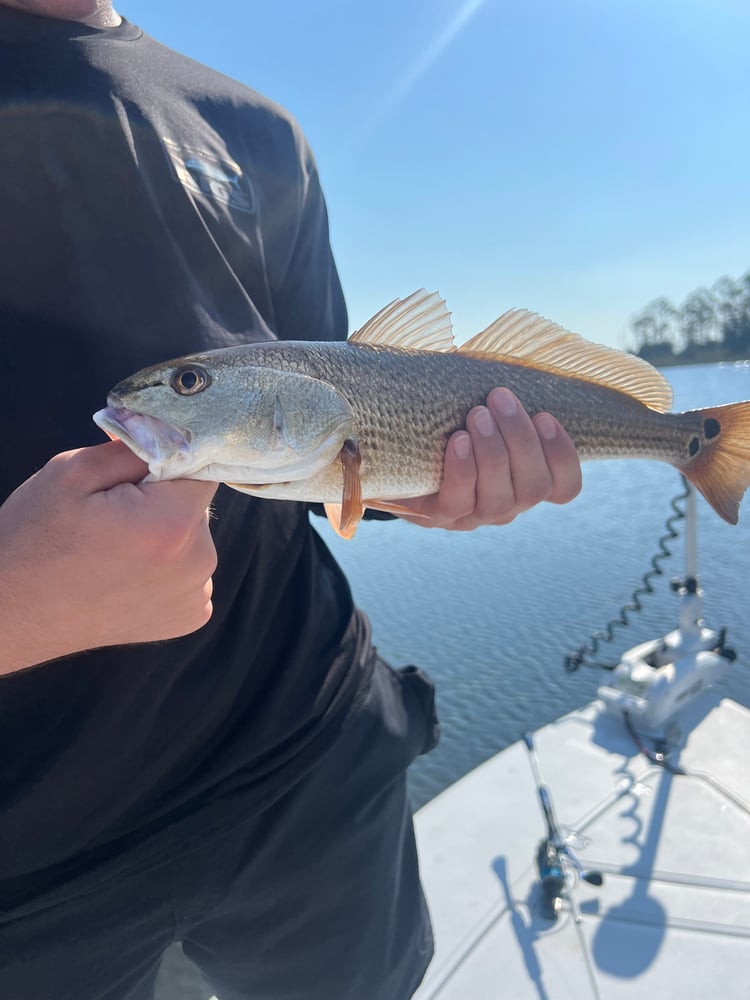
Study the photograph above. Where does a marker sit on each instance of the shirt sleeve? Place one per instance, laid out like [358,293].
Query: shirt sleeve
[309,302]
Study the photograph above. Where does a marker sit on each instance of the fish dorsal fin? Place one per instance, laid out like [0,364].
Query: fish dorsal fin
[530,339]
[420,322]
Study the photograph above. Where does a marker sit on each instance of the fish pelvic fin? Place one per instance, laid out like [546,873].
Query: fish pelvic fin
[721,468]
[334,514]
[526,338]
[345,517]
[420,322]
[394,507]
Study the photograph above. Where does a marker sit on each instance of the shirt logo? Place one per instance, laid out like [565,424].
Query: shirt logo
[204,174]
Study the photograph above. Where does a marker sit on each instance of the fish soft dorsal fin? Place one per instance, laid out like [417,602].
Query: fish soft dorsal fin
[530,339]
[420,322]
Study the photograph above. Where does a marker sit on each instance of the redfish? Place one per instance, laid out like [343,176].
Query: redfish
[364,423]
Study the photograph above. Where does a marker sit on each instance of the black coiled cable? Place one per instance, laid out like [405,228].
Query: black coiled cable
[582,655]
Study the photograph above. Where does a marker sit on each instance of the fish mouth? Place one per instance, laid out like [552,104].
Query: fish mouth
[153,440]
[170,453]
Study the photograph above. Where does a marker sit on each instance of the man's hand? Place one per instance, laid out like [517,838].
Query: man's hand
[89,558]
[504,463]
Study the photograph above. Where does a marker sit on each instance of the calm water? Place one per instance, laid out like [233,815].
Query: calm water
[491,614]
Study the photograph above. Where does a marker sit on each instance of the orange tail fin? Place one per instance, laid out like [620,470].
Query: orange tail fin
[721,469]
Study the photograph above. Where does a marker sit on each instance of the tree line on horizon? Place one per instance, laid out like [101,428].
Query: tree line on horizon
[712,324]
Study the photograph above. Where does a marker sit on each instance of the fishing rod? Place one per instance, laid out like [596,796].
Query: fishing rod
[553,849]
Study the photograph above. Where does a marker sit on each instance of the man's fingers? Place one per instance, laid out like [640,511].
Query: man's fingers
[530,475]
[494,498]
[192,494]
[100,467]
[562,459]
[457,496]
[457,493]
[105,467]
[516,462]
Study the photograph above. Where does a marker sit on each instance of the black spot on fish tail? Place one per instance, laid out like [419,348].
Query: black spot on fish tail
[711,427]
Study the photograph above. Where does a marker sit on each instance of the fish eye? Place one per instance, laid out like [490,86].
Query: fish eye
[189,380]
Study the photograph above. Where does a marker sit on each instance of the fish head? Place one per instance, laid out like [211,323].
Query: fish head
[224,420]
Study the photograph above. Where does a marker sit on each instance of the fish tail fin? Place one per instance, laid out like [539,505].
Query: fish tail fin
[721,469]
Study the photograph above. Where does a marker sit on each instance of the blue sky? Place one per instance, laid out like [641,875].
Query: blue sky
[576,158]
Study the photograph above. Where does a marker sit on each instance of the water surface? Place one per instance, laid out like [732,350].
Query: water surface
[491,614]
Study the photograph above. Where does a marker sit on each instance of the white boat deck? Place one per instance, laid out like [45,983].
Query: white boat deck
[672,918]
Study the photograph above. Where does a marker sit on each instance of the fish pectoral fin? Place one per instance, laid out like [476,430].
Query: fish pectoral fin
[420,322]
[526,338]
[345,517]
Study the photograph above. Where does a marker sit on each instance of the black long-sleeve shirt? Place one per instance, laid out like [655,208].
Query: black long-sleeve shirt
[150,207]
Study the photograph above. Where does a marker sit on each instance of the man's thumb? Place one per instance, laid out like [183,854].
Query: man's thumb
[107,465]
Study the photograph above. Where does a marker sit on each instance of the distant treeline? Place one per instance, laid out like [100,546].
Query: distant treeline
[712,324]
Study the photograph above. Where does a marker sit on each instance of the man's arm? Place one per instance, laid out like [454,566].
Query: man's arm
[88,558]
